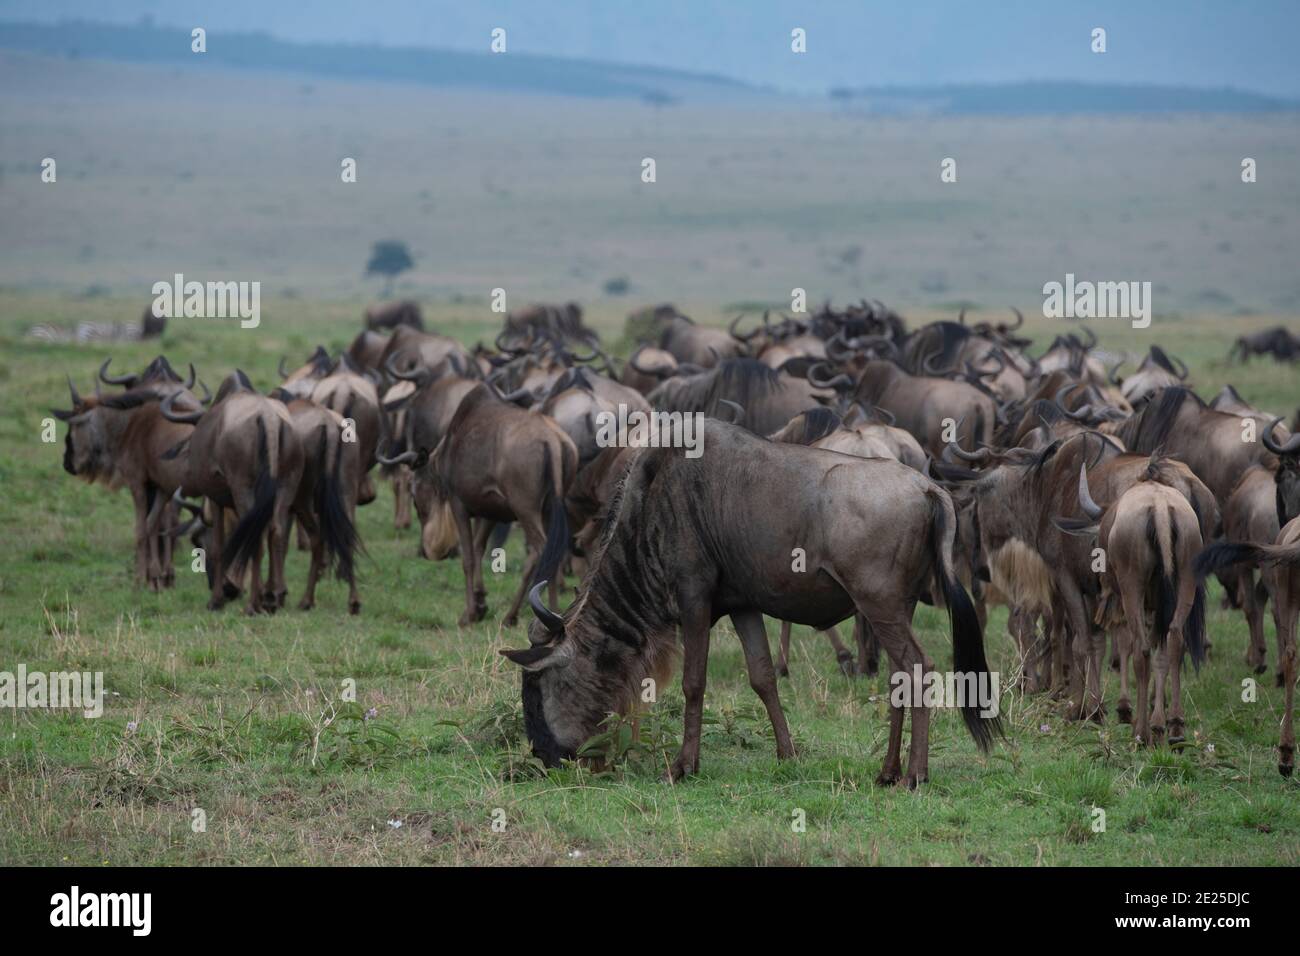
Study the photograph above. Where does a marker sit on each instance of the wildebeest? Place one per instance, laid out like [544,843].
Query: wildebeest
[497,463]
[823,428]
[389,315]
[1282,561]
[769,398]
[1151,536]
[934,411]
[326,502]
[1277,342]
[123,440]
[1155,373]
[689,540]
[244,455]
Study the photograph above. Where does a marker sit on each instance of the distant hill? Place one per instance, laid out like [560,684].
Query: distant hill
[516,72]
[1056,97]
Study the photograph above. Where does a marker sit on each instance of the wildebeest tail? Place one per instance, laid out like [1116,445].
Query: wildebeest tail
[337,531]
[1219,556]
[967,635]
[557,520]
[242,545]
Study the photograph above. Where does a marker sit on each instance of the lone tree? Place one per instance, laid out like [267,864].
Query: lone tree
[389,258]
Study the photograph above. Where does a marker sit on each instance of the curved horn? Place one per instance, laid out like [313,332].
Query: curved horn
[107,379]
[1290,448]
[980,454]
[76,399]
[390,366]
[961,316]
[184,418]
[839,381]
[1110,376]
[737,411]
[207,396]
[1020,319]
[553,622]
[731,328]
[1090,507]
[1092,336]
[284,372]
[929,368]
[1182,376]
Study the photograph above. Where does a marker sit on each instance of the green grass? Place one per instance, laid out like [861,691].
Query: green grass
[242,717]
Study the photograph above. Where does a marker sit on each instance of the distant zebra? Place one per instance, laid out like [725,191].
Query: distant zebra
[149,326]
[86,332]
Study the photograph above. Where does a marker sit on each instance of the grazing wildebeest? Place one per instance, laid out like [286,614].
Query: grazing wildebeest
[1277,342]
[689,540]
[1151,536]
[1282,562]
[244,455]
[123,440]
[497,462]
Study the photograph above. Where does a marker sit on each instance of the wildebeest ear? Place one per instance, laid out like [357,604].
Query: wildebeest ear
[61,415]
[536,658]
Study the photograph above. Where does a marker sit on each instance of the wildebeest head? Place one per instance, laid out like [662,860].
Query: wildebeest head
[1287,475]
[86,447]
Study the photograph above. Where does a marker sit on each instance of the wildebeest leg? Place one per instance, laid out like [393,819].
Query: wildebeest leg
[1256,650]
[695,661]
[140,498]
[1287,594]
[277,538]
[402,497]
[905,654]
[153,522]
[255,602]
[354,596]
[307,523]
[304,539]
[216,569]
[1174,648]
[1131,639]
[171,519]
[535,539]
[468,562]
[482,530]
[868,646]
[1089,645]
[783,658]
[842,654]
[1279,625]
[762,676]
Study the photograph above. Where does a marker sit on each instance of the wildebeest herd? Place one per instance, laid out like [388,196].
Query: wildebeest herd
[850,469]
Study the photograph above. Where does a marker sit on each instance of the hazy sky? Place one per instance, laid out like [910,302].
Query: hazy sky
[1247,44]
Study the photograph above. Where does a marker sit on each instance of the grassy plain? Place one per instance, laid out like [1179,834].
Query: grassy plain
[241,717]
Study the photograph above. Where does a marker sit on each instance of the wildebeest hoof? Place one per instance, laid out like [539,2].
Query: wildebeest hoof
[1260,668]
[887,778]
[510,620]
[1123,712]
[783,671]
[230,591]
[354,607]
[846,664]
[1281,680]
[306,604]
[913,781]
[1285,769]
[215,604]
